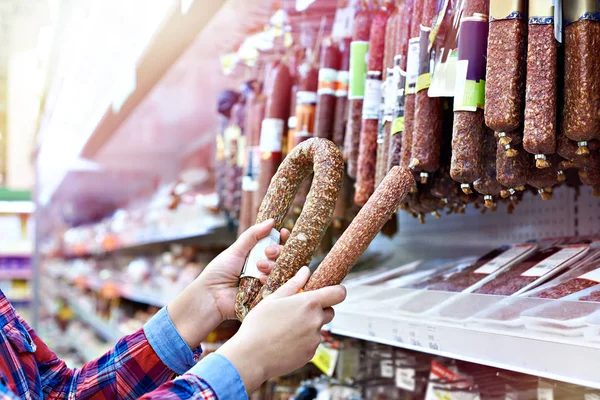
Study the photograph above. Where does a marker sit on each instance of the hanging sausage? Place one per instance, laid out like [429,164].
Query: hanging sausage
[539,130]
[469,125]
[359,48]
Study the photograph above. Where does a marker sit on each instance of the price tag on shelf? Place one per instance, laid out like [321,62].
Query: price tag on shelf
[387,368]
[432,342]
[414,336]
[405,379]
[325,359]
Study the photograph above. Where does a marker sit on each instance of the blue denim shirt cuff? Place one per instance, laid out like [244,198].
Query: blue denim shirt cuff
[168,343]
[222,377]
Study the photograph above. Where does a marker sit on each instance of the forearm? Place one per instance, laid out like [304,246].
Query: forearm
[195,313]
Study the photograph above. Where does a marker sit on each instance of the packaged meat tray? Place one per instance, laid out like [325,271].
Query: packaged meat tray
[507,312]
[568,312]
[534,270]
[513,280]
[380,276]
[470,277]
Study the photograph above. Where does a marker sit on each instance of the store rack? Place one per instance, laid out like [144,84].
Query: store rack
[120,169]
[104,329]
[516,349]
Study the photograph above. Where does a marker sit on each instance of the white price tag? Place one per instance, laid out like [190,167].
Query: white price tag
[343,22]
[372,99]
[412,61]
[271,135]
[258,254]
[387,368]
[405,379]
[554,261]
[545,393]
[503,259]
[249,184]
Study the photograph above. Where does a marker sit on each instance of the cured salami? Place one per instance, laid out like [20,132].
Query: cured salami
[400,63]
[539,131]
[341,94]
[427,136]
[367,156]
[359,48]
[328,76]
[277,112]
[325,159]
[581,116]
[469,127]
[354,241]
[506,65]
[488,184]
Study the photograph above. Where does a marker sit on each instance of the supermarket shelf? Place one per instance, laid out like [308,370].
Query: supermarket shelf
[217,234]
[126,290]
[105,330]
[562,358]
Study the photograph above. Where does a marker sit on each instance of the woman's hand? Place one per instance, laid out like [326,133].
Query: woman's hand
[282,333]
[210,299]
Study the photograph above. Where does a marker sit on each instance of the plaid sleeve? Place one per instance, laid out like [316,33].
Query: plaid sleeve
[185,387]
[6,394]
[130,370]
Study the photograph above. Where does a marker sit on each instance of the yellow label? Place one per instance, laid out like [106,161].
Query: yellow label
[423,81]
[505,9]
[325,359]
[541,8]
[398,125]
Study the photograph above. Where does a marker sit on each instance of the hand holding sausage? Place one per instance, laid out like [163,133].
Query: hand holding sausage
[283,332]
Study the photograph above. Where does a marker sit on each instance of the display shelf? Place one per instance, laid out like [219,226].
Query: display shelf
[371,314]
[104,329]
[130,291]
[216,233]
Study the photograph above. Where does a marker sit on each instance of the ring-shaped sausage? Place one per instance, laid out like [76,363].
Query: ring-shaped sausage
[317,155]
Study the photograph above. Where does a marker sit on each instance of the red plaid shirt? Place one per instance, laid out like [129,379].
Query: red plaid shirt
[133,369]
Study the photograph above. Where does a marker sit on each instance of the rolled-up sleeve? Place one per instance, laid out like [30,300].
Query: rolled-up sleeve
[169,345]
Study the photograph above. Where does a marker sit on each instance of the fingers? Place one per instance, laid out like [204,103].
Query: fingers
[292,286]
[250,237]
[329,296]
[265,266]
[272,252]
[328,315]
[285,234]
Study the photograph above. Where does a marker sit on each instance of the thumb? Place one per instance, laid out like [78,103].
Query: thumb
[250,237]
[294,285]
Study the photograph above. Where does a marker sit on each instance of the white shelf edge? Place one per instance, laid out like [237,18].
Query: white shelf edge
[558,360]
